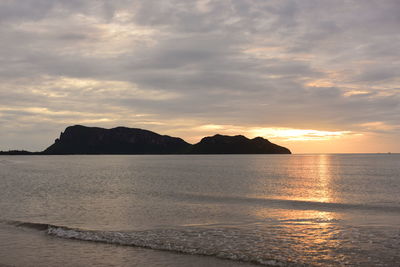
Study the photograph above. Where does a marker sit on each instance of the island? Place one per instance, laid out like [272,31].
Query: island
[238,144]
[80,139]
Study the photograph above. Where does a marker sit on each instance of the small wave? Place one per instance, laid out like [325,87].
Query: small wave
[287,203]
[36,226]
[221,243]
[309,220]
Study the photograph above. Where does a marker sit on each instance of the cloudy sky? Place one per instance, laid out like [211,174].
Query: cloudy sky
[312,75]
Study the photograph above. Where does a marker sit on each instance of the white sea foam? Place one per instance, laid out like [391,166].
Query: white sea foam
[208,242]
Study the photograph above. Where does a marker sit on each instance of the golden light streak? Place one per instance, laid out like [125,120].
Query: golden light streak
[355,92]
[290,134]
[210,127]
[274,133]
[321,83]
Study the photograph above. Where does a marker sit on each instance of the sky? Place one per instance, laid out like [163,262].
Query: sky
[316,76]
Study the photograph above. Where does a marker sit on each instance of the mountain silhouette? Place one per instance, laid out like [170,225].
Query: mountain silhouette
[239,144]
[121,140]
[80,139]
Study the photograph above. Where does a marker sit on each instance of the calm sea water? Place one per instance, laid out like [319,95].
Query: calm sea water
[192,210]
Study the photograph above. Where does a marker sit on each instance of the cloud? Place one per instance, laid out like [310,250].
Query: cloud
[321,65]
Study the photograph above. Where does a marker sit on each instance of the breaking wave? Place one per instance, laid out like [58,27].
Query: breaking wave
[224,243]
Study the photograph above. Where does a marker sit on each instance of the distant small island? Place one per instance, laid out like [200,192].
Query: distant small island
[80,139]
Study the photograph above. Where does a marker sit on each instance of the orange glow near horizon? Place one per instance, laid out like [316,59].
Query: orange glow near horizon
[276,133]
[300,140]
[289,134]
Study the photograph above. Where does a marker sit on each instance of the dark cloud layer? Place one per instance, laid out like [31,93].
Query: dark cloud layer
[174,64]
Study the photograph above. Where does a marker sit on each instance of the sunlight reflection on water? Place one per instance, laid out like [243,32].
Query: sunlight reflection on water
[315,209]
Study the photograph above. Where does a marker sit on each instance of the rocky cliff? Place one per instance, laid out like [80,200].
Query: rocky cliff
[121,140]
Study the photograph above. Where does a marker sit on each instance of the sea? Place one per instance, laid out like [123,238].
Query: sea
[200,210]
